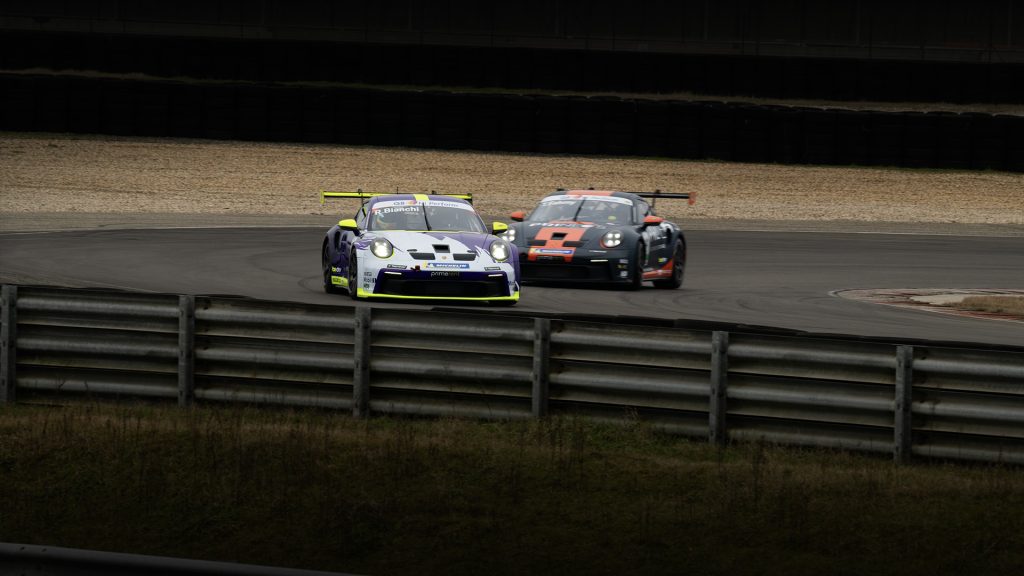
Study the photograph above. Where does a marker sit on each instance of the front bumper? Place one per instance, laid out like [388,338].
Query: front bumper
[417,284]
[607,268]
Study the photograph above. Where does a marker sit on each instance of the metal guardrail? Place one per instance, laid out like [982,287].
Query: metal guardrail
[34,560]
[907,400]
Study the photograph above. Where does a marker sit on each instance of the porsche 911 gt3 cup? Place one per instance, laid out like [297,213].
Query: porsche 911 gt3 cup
[600,237]
[418,246]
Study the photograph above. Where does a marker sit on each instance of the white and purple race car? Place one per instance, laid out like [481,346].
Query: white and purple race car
[419,246]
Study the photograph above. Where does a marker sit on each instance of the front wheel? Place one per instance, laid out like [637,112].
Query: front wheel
[678,267]
[353,276]
[637,279]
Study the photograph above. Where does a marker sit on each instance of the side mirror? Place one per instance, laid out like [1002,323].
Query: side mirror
[518,215]
[498,228]
[349,224]
[652,220]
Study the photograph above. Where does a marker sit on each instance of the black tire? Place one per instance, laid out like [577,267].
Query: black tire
[353,276]
[326,265]
[636,281]
[678,268]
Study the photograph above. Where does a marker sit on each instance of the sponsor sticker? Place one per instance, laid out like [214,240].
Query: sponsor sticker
[445,273]
[397,266]
[448,265]
[393,209]
[394,204]
[559,251]
[612,199]
[560,224]
[556,200]
[448,204]
[492,268]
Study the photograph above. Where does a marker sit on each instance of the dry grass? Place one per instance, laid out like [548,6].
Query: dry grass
[563,495]
[994,304]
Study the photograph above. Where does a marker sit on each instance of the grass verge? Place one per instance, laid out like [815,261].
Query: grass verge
[562,495]
[994,304]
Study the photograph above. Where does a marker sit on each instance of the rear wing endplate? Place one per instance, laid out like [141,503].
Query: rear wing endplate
[325,194]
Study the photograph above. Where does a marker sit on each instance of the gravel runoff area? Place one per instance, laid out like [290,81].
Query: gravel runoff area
[60,181]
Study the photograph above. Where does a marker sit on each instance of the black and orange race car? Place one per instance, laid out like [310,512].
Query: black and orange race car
[599,237]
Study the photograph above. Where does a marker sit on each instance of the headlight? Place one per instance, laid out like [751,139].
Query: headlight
[509,235]
[611,239]
[500,251]
[381,248]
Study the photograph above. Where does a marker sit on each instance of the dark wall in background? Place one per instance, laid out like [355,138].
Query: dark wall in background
[516,68]
[545,124]
[947,30]
[284,69]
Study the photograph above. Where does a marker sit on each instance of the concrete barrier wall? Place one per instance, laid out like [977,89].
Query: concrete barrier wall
[515,123]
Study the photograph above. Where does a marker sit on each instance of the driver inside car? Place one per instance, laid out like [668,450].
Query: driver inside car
[395,220]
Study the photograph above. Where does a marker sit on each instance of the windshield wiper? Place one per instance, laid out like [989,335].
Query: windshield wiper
[577,212]
[425,220]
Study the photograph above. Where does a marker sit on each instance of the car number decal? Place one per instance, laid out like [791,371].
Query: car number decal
[557,247]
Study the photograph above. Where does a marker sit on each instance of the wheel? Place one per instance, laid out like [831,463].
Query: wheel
[637,279]
[325,263]
[353,276]
[678,267]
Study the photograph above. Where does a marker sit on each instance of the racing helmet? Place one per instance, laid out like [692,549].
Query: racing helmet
[392,220]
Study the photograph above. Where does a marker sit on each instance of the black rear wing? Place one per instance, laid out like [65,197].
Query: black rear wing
[690,197]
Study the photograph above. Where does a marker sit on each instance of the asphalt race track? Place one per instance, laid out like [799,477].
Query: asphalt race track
[778,279]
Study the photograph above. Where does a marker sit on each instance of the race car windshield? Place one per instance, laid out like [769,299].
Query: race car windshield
[435,218]
[600,211]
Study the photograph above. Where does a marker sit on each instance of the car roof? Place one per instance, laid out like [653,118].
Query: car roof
[419,198]
[582,193]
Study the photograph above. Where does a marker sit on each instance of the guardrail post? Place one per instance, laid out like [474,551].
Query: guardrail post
[8,343]
[903,422]
[361,363]
[186,350]
[717,433]
[541,366]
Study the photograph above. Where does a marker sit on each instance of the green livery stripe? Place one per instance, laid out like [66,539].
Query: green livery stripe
[325,194]
[364,294]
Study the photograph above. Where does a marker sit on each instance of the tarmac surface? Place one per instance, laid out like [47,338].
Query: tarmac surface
[769,274]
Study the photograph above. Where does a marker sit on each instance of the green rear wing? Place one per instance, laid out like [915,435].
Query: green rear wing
[364,196]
